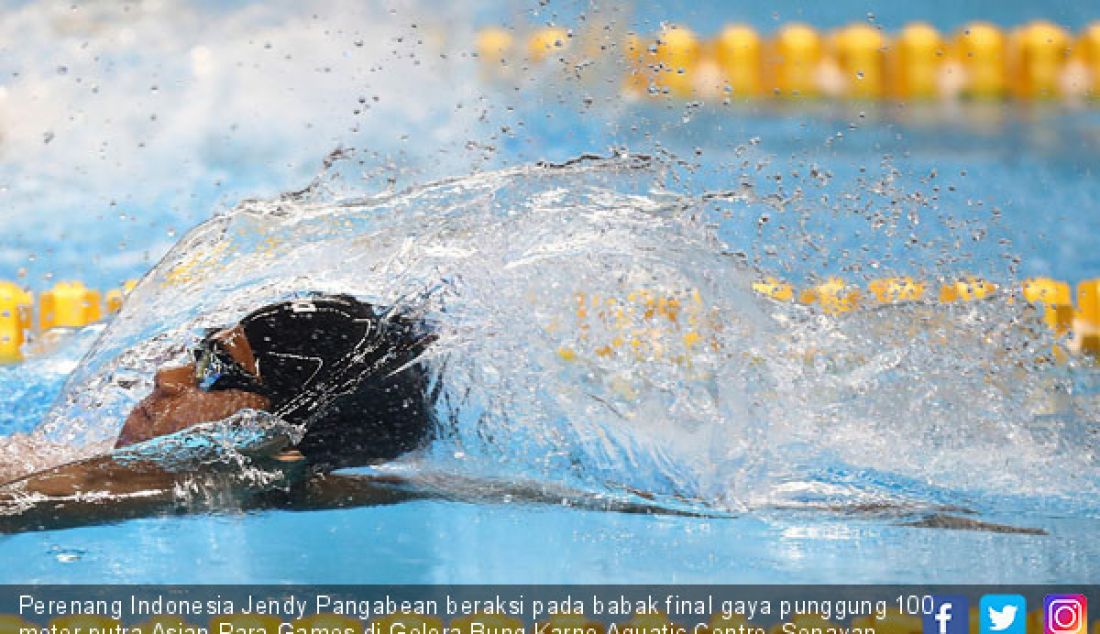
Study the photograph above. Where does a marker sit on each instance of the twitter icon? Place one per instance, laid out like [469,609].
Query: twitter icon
[1003,614]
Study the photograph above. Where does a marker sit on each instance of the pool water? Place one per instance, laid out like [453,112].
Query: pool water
[1021,178]
[447,542]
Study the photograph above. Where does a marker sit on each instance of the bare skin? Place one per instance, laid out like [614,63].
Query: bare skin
[177,402]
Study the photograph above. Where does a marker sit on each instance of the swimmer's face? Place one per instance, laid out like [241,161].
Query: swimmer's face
[181,398]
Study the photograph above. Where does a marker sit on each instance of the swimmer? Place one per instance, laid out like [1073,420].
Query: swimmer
[347,375]
[351,377]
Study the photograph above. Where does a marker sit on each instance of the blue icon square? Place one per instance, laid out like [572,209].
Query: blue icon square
[950,615]
[1003,614]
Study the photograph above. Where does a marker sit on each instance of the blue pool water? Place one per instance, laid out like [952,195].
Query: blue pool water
[442,542]
[110,217]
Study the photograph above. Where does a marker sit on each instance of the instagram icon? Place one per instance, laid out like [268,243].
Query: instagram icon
[1065,614]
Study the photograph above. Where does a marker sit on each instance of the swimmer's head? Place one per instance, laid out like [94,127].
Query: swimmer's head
[330,364]
[184,396]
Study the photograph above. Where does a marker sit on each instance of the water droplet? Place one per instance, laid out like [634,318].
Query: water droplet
[66,555]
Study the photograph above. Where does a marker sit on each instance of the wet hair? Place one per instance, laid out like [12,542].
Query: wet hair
[347,373]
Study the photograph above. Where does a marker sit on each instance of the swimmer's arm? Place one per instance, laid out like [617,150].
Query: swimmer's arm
[86,492]
[120,485]
[102,490]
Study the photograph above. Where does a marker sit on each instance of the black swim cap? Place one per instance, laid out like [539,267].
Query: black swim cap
[346,373]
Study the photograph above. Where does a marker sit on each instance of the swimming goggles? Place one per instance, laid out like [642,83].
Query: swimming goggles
[216,369]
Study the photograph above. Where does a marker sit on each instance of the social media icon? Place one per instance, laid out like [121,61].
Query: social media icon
[1065,614]
[1003,614]
[949,615]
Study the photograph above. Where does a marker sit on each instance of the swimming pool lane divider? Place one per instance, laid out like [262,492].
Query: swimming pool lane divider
[65,305]
[70,304]
[630,319]
[1036,61]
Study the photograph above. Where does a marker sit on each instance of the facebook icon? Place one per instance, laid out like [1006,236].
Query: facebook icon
[949,615]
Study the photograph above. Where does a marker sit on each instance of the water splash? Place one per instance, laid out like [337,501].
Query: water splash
[597,329]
